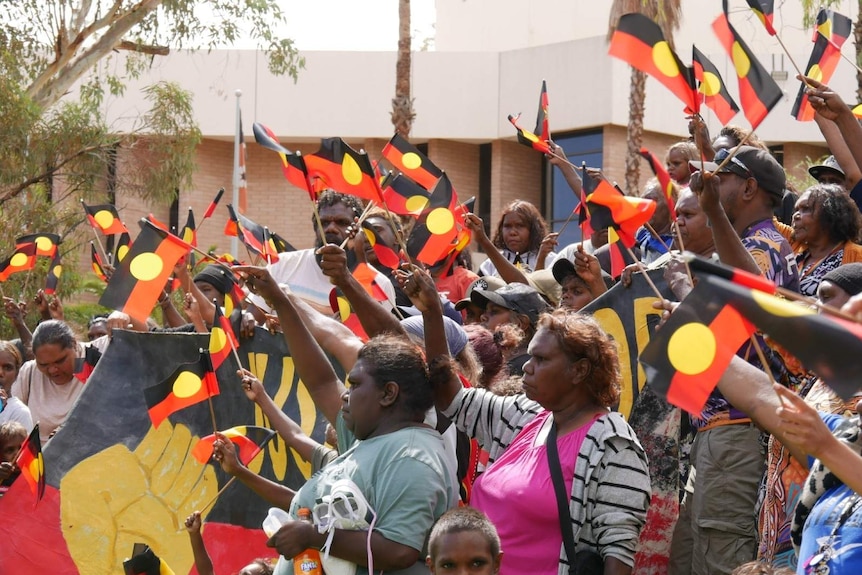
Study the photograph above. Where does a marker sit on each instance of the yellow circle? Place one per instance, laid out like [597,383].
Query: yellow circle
[18,260]
[411,160]
[440,221]
[369,235]
[350,170]
[662,57]
[710,85]
[146,266]
[187,384]
[36,467]
[778,306]
[58,271]
[218,339]
[121,252]
[740,60]
[416,203]
[815,72]
[44,244]
[104,218]
[691,348]
[344,309]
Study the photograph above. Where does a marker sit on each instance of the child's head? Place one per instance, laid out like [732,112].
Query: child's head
[464,541]
[257,567]
[521,228]
[12,435]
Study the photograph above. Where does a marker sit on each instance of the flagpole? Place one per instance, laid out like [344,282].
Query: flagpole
[234,242]
[358,223]
[642,268]
[226,485]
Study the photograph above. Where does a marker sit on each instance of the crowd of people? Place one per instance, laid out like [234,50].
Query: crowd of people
[476,428]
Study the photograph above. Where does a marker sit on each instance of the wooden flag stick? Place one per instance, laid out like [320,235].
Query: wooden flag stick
[212,412]
[764,365]
[569,219]
[642,268]
[675,224]
[226,485]
[319,223]
[789,57]
[358,223]
[656,236]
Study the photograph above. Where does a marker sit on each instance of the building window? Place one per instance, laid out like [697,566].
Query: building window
[579,148]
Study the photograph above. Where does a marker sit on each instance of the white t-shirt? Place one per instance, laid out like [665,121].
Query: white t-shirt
[300,271]
[15,410]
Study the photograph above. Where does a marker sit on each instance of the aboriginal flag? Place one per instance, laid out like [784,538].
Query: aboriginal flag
[542,130]
[189,232]
[831,32]
[22,260]
[740,277]
[84,366]
[620,256]
[96,262]
[46,244]
[608,207]
[529,138]
[664,180]
[758,92]
[713,88]
[403,196]
[292,165]
[140,278]
[434,234]
[687,356]
[55,270]
[31,464]
[345,314]
[338,166]
[410,161]
[249,440]
[104,218]
[639,41]
[222,338]
[211,208]
[386,255]
[124,244]
[252,234]
[191,383]
[764,9]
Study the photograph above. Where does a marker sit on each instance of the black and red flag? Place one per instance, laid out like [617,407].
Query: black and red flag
[410,161]
[435,232]
[764,10]
[738,276]
[344,313]
[136,284]
[619,256]
[758,91]
[124,244]
[386,255]
[609,207]
[146,563]
[832,30]
[46,244]
[664,179]
[539,139]
[685,359]
[712,86]
[403,196]
[55,270]
[104,218]
[529,138]
[189,384]
[338,166]
[249,440]
[292,165]
[96,262]
[31,464]
[22,259]
[639,41]
[211,208]
[222,339]
[84,366]
[252,234]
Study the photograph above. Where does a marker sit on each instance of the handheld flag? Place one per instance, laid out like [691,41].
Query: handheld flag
[222,339]
[664,179]
[540,137]
[410,161]
[345,314]
[338,166]
[31,464]
[403,196]
[251,234]
[831,32]
[96,262]
[46,244]
[386,255]
[84,366]
[104,218]
[22,259]
[758,92]
[211,208]
[764,9]
[608,207]
[528,138]
[434,233]
[292,165]
[249,440]
[713,88]
[124,244]
[139,280]
[189,384]
[639,41]
[55,270]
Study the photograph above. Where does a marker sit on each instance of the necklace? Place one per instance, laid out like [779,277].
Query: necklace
[819,563]
[808,269]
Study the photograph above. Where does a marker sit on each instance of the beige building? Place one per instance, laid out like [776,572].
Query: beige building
[489,60]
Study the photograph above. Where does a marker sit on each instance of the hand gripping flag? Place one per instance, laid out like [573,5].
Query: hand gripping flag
[104,218]
[249,441]
[46,244]
[758,92]
[189,384]
[292,165]
[639,41]
[713,88]
[338,166]
[137,283]
[831,31]
[410,161]
[31,464]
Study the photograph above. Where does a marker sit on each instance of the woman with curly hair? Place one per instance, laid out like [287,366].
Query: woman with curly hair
[826,227]
[518,237]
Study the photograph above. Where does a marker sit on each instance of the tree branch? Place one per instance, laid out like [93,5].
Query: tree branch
[143,48]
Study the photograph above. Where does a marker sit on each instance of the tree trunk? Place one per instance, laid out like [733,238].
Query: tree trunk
[402,104]
[637,100]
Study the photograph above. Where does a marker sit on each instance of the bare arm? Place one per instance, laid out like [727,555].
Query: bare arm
[333,336]
[274,493]
[203,563]
[838,147]
[830,106]
[507,270]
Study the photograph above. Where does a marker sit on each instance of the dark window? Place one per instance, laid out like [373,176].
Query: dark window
[484,207]
[579,148]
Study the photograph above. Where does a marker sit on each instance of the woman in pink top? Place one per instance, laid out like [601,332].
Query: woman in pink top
[569,383]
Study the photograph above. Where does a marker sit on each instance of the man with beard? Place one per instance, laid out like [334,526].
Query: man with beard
[300,270]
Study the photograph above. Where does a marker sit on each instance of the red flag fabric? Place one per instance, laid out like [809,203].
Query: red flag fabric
[713,88]
[137,283]
[55,270]
[542,129]
[211,208]
[663,178]
[31,464]
[386,256]
[608,207]
[741,277]
[84,366]
[434,234]
[96,262]
[22,259]
[410,161]
[341,306]
[528,138]
[252,234]
[46,244]
[620,256]
[249,440]
[764,9]
[831,32]
[403,196]
[189,384]
[758,92]
[338,166]
[104,218]
[292,165]
[639,41]
[222,339]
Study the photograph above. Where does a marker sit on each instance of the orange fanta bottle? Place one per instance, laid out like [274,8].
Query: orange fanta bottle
[307,562]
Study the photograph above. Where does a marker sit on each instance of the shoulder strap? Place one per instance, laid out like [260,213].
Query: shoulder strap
[562,496]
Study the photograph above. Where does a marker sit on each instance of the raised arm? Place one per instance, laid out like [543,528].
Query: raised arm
[507,270]
[274,493]
[203,563]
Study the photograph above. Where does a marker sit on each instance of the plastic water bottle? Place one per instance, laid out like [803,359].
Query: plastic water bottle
[307,562]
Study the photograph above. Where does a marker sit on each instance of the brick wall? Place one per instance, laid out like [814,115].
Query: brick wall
[614,151]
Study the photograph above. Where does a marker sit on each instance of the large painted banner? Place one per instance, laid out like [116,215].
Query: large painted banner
[114,480]
[627,313]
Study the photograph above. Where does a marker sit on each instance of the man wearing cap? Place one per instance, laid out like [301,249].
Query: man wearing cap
[829,172]
[473,312]
[576,291]
[716,530]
